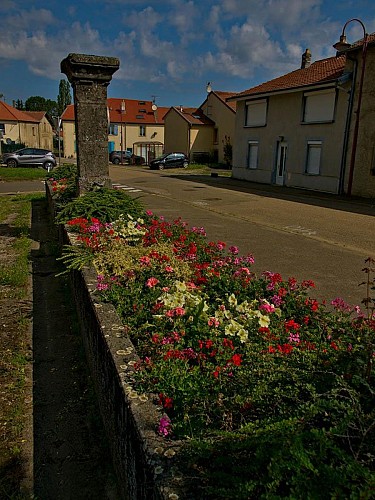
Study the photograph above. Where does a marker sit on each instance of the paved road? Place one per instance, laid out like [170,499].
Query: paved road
[306,235]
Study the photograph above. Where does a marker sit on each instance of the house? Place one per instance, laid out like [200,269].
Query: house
[203,131]
[133,125]
[297,130]
[31,128]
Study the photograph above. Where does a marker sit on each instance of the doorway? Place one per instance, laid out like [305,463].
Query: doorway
[282,148]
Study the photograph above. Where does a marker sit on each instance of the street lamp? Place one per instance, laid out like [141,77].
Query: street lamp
[342,46]
[122,111]
[58,123]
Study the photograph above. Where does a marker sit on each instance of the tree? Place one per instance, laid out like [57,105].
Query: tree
[64,98]
[19,104]
[38,103]
[227,150]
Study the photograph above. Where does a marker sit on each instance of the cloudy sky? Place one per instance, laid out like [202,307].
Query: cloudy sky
[170,48]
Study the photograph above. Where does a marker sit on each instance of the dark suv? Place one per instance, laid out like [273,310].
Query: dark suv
[170,160]
[126,157]
[31,157]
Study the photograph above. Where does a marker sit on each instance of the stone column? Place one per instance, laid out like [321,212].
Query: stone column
[90,77]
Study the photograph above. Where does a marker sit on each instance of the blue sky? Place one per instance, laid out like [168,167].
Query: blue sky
[170,48]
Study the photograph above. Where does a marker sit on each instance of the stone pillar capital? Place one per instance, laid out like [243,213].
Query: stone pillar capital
[86,68]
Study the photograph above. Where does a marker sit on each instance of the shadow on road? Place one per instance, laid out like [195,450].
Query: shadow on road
[71,458]
[353,204]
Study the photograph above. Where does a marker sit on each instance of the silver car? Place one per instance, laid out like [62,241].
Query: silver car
[31,157]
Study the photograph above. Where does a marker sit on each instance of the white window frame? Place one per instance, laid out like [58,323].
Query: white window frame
[251,163]
[319,106]
[256,113]
[313,157]
[113,129]
[142,131]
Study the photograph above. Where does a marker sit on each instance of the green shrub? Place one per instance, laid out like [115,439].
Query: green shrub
[104,204]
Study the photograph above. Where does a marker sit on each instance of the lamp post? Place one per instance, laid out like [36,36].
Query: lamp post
[122,111]
[58,127]
[342,46]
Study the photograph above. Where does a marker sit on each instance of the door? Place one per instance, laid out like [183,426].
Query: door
[26,156]
[282,148]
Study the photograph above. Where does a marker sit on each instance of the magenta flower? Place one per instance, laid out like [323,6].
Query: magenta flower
[164,426]
[234,250]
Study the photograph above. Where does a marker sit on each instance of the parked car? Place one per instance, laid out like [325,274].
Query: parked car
[127,158]
[30,157]
[170,160]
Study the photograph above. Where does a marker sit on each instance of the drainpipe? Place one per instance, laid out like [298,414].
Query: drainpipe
[347,129]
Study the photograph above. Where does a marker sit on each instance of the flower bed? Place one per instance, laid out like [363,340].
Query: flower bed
[271,390]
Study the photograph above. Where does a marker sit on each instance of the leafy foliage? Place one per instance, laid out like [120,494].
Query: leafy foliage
[38,103]
[64,98]
[103,204]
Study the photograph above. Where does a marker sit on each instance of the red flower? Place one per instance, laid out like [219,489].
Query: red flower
[291,325]
[334,346]
[285,348]
[165,401]
[236,359]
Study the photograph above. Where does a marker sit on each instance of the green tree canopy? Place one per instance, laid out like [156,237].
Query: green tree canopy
[38,103]
[64,98]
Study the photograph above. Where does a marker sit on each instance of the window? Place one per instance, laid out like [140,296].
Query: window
[256,113]
[252,154]
[113,129]
[139,117]
[142,131]
[314,152]
[2,129]
[319,106]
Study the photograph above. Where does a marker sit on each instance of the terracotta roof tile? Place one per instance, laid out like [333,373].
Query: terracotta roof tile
[136,111]
[8,113]
[321,71]
[195,116]
[37,115]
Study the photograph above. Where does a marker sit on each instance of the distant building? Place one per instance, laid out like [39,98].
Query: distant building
[31,128]
[203,131]
[133,125]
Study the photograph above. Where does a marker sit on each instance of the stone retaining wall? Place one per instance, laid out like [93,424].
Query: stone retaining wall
[148,466]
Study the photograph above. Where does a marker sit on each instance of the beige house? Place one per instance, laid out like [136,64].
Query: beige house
[297,130]
[31,128]
[133,125]
[202,131]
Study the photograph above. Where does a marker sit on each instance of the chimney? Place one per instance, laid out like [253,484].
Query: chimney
[306,59]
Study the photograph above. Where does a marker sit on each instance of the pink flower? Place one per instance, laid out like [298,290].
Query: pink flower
[149,212]
[151,282]
[269,308]
[164,426]
[145,260]
[169,269]
[294,337]
[234,250]
[179,311]
[213,322]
